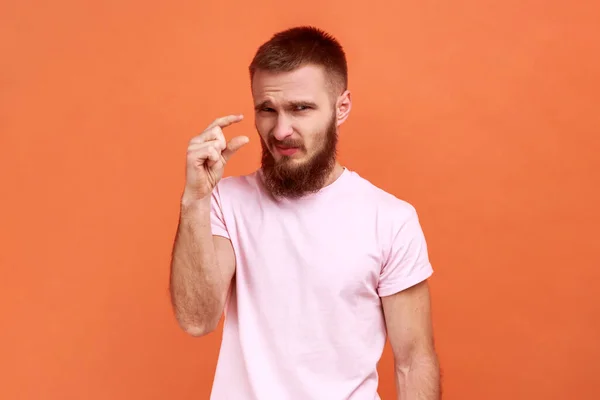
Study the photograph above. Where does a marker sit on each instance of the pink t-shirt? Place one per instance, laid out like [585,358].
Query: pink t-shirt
[304,318]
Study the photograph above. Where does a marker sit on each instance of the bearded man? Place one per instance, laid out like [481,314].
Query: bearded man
[313,266]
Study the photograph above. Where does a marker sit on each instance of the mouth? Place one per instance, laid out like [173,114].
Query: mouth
[286,151]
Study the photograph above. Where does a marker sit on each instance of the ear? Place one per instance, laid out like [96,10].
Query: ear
[342,107]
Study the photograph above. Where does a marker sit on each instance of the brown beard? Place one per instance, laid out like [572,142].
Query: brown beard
[283,179]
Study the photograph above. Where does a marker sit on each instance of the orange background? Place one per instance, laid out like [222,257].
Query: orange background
[482,114]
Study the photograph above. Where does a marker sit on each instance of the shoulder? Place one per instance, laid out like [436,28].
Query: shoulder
[238,186]
[387,205]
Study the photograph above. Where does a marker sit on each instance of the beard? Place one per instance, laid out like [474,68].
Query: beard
[285,178]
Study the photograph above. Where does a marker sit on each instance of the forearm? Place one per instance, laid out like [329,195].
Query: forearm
[418,378]
[198,287]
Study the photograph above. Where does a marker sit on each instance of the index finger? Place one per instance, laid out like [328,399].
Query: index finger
[225,121]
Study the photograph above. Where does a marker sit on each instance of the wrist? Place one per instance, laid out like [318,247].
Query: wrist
[195,204]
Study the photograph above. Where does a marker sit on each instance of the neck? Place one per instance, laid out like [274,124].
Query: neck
[335,174]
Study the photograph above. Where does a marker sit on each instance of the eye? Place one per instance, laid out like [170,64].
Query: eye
[267,109]
[301,107]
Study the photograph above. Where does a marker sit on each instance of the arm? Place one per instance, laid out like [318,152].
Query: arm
[202,267]
[408,320]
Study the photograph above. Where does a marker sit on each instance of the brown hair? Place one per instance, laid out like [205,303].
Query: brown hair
[304,45]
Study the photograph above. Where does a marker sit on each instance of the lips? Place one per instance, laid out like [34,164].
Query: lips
[286,151]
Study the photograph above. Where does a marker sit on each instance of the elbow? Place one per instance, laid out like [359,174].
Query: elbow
[196,318]
[402,365]
[417,359]
[197,328]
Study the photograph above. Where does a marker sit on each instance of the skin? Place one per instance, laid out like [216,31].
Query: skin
[202,265]
[410,332]
[291,108]
[295,108]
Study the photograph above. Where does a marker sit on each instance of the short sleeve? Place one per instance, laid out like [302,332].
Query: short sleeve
[407,260]
[217,221]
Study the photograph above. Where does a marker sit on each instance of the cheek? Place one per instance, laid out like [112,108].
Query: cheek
[312,144]
[263,126]
[315,136]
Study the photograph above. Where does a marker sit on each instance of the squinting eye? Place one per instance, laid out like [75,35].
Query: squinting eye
[301,108]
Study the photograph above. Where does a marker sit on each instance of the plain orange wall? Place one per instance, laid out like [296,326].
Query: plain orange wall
[482,114]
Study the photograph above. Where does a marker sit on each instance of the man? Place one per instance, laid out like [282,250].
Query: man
[312,265]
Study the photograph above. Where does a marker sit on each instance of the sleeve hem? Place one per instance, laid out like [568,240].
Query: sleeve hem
[217,231]
[389,290]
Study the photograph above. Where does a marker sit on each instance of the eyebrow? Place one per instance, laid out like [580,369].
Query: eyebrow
[262,105]
[288,104]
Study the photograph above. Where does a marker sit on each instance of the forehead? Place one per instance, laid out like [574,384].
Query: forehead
[305,83]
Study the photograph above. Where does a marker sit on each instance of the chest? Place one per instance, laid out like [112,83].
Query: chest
[325,254]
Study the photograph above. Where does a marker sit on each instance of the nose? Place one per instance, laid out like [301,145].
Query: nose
[283,128]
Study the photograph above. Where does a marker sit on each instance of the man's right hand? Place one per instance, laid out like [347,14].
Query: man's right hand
[207,155]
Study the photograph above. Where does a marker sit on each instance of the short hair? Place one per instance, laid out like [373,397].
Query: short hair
[300,46]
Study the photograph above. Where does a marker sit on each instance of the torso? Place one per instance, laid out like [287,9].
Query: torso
[304,318]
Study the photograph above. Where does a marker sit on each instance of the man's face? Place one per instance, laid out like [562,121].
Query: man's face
[296,116]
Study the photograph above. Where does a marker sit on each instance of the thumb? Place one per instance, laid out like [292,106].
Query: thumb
[234,145]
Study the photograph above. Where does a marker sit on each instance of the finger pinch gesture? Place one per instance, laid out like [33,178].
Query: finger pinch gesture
[207,155]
